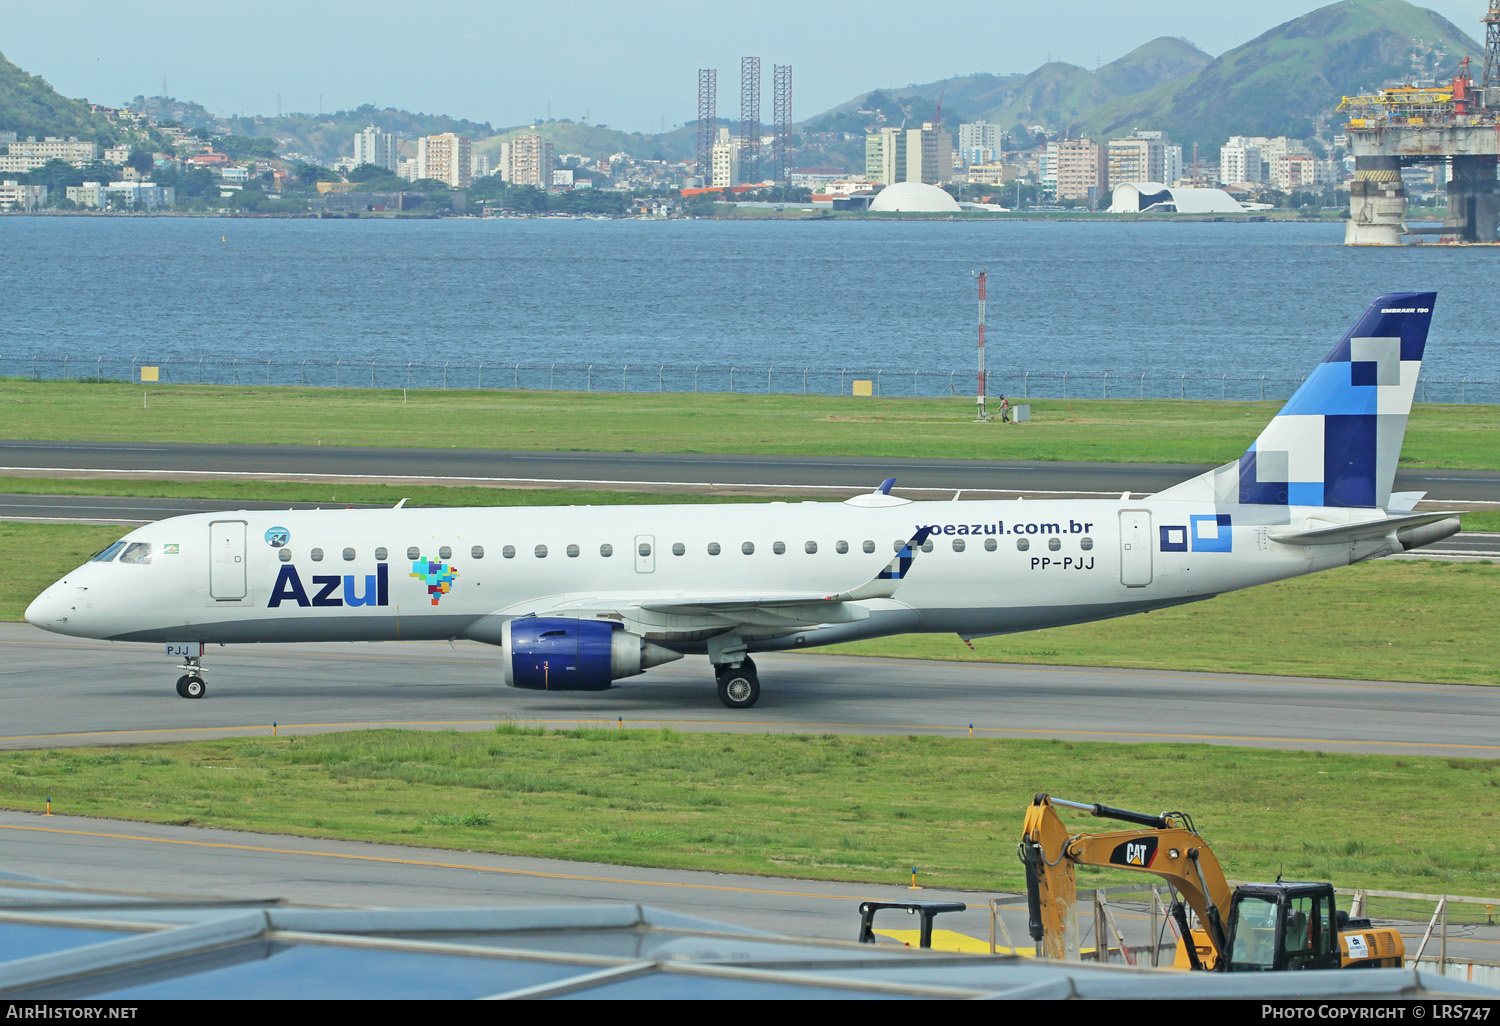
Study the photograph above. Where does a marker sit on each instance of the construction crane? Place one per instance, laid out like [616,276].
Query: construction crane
[1253,927]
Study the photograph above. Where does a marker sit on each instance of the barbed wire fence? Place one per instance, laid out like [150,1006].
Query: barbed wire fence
[701,378]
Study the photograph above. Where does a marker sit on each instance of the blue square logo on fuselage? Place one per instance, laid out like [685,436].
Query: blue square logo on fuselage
[1211,533]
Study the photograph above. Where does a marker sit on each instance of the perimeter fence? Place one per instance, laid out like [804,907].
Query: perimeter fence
[706,378]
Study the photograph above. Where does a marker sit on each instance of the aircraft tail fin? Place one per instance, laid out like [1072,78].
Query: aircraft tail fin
[1337,440]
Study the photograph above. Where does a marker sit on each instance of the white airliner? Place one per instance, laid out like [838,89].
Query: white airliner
[576,597]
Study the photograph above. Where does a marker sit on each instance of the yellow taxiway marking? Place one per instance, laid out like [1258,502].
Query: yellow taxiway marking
[429,863]
[602,723]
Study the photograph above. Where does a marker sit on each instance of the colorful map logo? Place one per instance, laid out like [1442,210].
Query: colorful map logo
[439,577]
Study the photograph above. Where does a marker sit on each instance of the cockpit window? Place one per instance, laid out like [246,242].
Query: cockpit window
[105,555]
[137,552]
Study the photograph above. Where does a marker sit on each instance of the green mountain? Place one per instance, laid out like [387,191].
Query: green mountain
[1278,82]
[1054,94]
[29,106]
[599,140]
[1164,59]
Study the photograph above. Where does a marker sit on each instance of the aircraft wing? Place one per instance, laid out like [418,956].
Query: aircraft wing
[724,609]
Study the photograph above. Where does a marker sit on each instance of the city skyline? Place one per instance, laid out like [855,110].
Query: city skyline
[631,68]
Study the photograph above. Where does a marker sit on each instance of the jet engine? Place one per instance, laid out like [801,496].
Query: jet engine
[544,653]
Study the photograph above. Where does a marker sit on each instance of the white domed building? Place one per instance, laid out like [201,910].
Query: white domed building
[914,198]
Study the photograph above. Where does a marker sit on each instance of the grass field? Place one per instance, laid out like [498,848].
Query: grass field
[1421,621]
[837,808]
[1133,431]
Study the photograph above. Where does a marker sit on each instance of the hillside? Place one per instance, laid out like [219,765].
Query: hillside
[599,140]
[1164,59]
[29,106]
[1277,82]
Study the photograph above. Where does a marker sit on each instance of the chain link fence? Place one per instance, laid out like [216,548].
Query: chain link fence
[720,378]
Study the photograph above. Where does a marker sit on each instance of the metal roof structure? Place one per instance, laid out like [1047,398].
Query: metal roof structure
[65,943]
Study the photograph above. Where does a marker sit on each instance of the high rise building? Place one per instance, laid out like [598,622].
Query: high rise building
[1240,160]
[978,142]
[929,154]
[724,162]
[1140,157]
[885,156]
[372,146]
[447,158]
[1082,171]
[531,162]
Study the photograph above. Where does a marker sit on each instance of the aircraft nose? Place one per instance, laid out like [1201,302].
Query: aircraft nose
[47,610]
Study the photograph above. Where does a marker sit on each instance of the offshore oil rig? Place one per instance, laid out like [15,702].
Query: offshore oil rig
[1457,126]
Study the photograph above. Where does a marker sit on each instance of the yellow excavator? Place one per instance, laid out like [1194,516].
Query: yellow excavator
[1250,928]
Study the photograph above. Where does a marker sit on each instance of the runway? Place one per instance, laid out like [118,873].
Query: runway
[57,691]
[646,470]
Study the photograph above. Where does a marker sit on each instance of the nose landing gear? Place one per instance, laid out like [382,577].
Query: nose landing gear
[190,684]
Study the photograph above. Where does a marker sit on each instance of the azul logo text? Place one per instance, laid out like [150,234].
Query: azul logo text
[332,589]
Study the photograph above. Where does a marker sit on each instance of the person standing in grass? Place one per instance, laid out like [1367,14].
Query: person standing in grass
[1004,410]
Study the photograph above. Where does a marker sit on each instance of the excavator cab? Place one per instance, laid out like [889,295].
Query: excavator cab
[1273,927]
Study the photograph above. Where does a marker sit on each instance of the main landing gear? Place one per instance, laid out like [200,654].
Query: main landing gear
[190,684]
[739,686]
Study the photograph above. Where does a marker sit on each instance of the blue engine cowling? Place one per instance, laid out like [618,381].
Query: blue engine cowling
[544,653]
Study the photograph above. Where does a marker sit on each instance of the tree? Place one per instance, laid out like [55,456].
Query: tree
[141,160]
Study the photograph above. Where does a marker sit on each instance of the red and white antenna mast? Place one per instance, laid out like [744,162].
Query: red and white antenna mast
[981,276]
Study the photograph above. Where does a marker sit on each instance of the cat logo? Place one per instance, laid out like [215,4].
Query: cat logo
[1138,854]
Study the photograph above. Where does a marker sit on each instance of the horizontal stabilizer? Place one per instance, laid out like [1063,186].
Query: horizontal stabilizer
[1343,534]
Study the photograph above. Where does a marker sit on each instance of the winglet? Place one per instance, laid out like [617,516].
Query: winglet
[884,584]
[886,486]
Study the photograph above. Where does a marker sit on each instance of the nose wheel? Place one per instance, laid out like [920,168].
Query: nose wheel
[739,687]
[190,684]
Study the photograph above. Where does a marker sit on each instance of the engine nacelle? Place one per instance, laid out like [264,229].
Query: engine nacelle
[561,654]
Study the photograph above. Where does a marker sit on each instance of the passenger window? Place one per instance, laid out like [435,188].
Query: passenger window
[927,545]
[713,548]
[382,554]
[316,555]
[1022,544]
[413,553]
[105,555]
[572,551]
[1054,544]
[811,548]
[869,546]
[990,545]
[644,548]
[958,545]
[541,552]
[348,555]
[606,550]
[477,552]
[678,548]
[748,548]
[898,544]
[284,554]
[509,552]
[445,552]
[1085,544]
[842,548]
[779,548]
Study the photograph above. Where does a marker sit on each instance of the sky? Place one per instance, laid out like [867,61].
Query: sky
[632,66]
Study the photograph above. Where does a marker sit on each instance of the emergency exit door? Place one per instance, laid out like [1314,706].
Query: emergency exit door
[1135,547]
[226,560]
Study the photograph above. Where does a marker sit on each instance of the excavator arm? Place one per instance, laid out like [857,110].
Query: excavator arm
[1165,846]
